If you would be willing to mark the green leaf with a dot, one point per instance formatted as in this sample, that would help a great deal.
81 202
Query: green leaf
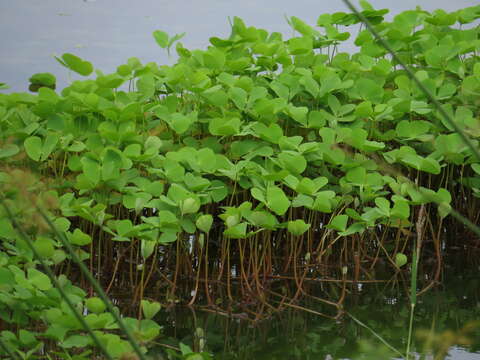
76 64
298 113
323 201
147 248
293 162
204 222
400 259
353 229
420 107
168 236
91 170
33 147
271 133
43 79
80 238
297 227
180 123
39 279
161 37
364 109
302 27
150 308
49 145
412 129
79 341
124 70
238 231
369 90
383 205
366 5
316 119
302 200
238 96
190 205
95 305
6 229
27 338
146 85
124 228
262 219
44 247
476 168
207 160
224 127
401 208
277 201
300 45
258 194
338 223
311 85
9 150
357 176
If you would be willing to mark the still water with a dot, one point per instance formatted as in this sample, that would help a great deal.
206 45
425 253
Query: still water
108 32
442 317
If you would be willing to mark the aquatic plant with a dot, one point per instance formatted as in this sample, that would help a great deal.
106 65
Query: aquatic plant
254 161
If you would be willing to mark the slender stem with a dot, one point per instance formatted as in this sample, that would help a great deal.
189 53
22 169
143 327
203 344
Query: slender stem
410 331
413 298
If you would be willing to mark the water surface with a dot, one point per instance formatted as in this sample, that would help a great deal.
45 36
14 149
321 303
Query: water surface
108 32
384 307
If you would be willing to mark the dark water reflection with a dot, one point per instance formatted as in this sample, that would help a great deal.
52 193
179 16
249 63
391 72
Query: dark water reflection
444 312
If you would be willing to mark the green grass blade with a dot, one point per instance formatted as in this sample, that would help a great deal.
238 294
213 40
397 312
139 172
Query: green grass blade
413 298
385 342
413 280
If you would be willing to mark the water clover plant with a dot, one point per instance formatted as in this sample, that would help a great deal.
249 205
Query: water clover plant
254 158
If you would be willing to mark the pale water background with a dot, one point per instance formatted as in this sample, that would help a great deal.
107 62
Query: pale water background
108 32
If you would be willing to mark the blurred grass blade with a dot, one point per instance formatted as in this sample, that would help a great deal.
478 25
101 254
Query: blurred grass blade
375 334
